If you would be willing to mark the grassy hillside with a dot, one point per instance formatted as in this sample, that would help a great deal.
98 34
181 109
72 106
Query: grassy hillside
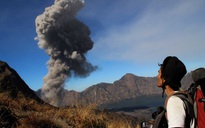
23 112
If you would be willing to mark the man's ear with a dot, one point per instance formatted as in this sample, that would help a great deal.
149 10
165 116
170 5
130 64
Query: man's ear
163 80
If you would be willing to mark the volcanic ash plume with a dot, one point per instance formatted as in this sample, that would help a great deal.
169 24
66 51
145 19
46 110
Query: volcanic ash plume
66 40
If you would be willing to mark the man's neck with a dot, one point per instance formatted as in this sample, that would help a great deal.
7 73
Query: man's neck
168 90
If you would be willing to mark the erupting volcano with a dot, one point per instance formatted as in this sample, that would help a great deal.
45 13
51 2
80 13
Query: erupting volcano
66 40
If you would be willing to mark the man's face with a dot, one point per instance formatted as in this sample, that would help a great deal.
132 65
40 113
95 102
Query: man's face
160 79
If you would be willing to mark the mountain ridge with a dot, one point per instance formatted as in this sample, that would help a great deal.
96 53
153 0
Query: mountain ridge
129 86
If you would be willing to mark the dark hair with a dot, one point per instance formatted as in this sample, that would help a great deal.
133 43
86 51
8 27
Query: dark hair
173 70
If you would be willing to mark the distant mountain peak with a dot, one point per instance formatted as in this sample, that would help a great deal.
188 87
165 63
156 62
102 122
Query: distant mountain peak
129 86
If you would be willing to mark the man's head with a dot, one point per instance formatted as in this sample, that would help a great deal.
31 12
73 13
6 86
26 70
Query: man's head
172 70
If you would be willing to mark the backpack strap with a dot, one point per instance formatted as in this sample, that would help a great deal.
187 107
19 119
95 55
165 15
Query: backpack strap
183 95
192 91
186 98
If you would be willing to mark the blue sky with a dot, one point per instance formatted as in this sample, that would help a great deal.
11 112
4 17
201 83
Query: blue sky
130 36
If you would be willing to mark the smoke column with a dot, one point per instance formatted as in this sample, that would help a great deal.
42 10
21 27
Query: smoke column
66 40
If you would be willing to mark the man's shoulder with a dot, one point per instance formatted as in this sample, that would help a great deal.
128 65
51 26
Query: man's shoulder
177 98
174 99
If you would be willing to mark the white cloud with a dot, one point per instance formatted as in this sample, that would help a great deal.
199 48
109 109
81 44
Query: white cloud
162 29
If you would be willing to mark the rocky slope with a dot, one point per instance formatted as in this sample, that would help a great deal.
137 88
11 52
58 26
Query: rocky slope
12 84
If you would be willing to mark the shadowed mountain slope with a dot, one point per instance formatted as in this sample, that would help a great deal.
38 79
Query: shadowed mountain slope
12 83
